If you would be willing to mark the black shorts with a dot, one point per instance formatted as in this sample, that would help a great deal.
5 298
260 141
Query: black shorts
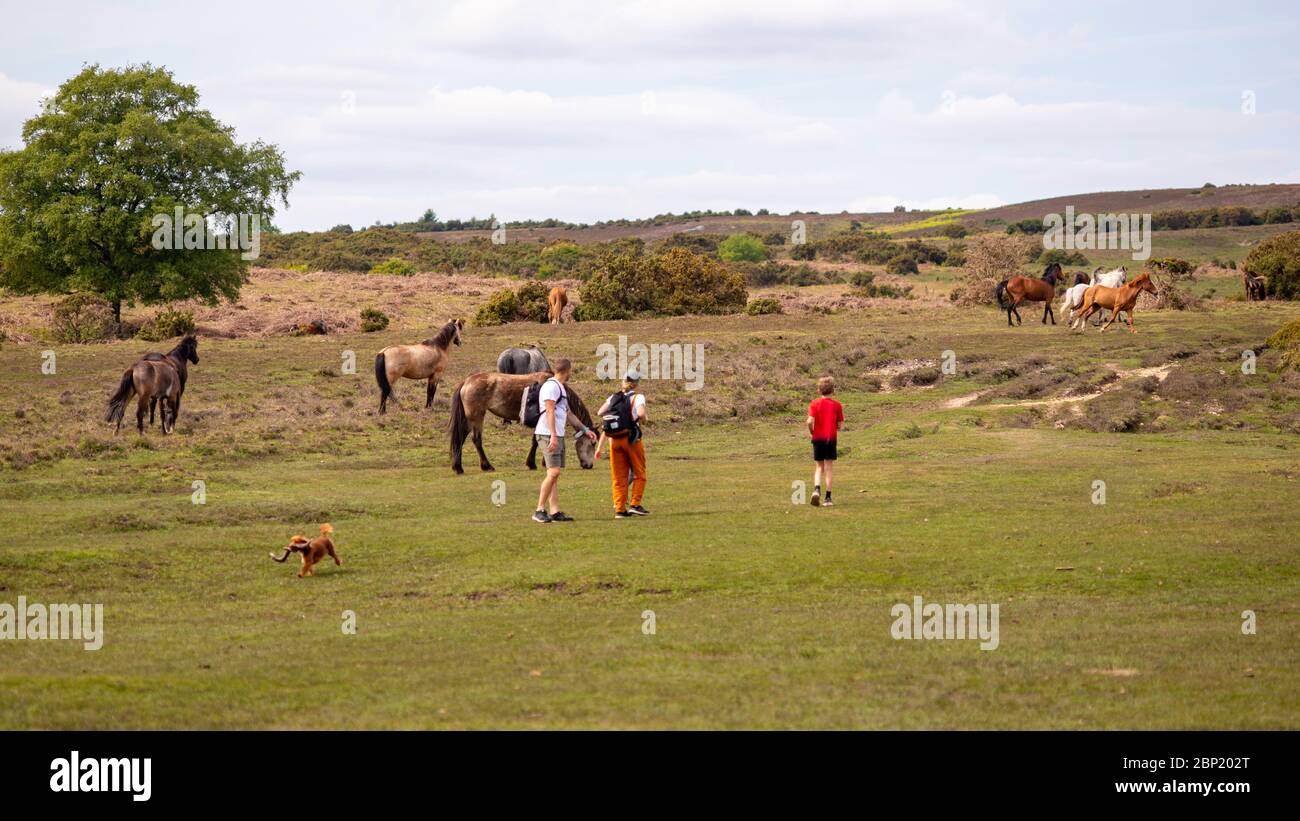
823 450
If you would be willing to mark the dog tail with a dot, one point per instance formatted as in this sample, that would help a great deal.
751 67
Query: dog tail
458 430
381 376
117 403
326 529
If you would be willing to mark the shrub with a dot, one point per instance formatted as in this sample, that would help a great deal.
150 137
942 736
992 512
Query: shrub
1278 259
394 266
742 248
672 283
527 303
373 319
803 250
166 324
499 309
563 256
763 306
1286 340
953 230
774 238
82 317
1062 257
990 258
901 265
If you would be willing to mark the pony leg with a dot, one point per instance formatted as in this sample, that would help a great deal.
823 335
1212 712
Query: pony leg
531 461
140 408
483 462
153 403
433 389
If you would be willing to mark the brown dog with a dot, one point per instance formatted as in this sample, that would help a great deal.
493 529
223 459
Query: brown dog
312 551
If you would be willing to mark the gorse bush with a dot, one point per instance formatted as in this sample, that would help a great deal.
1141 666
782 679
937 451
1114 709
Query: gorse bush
669 284
901 266
763 306
1062 257
742 248
166 324
82 317
1278 259
1286 340
527 303
373 319
394 266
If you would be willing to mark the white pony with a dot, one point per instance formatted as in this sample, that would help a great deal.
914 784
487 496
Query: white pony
1072 301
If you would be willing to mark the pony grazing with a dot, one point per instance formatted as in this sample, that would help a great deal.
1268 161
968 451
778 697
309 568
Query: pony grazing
555 302
522 360
1027 289
503 395
156 379
426 360
1123 298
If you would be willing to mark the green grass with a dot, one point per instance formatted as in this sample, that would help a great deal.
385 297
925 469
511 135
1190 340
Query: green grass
768 614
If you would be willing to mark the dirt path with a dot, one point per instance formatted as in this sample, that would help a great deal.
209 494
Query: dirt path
1158 371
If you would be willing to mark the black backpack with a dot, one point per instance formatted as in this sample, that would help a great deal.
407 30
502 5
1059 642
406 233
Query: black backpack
618 420
533 403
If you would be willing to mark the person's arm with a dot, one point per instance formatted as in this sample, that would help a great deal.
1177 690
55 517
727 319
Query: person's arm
640 408
810 422
600 443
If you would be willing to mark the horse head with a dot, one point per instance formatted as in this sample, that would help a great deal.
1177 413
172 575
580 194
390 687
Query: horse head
1144 283
188 349
458 324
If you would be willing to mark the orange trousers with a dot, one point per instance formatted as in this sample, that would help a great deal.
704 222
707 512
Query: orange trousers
624 457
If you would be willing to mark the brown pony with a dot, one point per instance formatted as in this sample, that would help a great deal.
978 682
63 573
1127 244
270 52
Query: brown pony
503 394
155 378
1026 289
426 360
1256 286
1123 298
555 302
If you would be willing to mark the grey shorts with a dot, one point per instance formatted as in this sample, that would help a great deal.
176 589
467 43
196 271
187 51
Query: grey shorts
551 459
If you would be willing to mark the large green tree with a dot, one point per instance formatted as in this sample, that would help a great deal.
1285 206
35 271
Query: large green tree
109 151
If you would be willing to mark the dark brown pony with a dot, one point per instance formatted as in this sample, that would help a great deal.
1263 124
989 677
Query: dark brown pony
503 395
155 378
1256 286
1124 298
1027 289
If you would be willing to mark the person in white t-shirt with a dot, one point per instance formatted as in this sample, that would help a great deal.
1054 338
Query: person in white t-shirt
549 434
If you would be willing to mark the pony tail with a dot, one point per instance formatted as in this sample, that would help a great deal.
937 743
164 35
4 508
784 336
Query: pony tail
117 403
1002 287
458 430
381 376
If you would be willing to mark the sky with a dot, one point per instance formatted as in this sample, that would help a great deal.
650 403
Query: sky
586 111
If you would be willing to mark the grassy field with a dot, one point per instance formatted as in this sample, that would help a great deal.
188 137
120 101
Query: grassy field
971 487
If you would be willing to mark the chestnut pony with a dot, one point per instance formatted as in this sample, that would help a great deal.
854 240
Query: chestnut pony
555 302
1124 298
1027 289
503 395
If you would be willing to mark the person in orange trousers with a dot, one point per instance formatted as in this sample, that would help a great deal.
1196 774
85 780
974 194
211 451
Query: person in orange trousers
622 415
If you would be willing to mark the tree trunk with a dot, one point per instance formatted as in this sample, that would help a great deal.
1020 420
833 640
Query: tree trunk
117 311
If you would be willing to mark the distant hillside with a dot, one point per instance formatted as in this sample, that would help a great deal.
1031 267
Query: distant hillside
1144 201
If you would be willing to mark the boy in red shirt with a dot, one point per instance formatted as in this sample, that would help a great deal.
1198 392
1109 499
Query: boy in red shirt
825 416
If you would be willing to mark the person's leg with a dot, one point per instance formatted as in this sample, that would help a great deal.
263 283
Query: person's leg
636 455
553 475
828 468
816 499
618 472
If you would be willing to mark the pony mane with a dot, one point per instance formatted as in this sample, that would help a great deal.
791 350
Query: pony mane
575 405
188 343
443 339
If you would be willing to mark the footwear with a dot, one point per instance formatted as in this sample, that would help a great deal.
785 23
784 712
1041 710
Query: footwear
637 510
828 502
622 514
541 517
558 516
816 499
